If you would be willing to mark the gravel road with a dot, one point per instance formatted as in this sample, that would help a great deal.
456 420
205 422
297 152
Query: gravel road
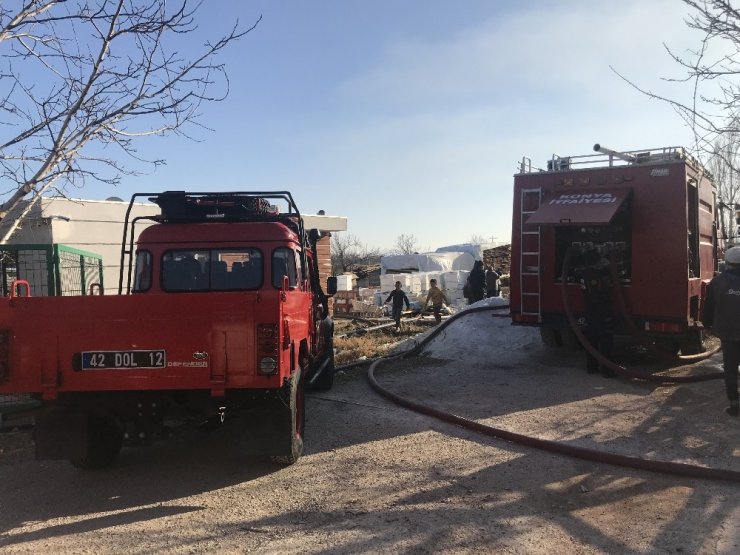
377 478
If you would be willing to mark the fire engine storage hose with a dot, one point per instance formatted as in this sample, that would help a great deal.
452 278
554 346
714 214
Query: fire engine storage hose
646 342
621 370
584 453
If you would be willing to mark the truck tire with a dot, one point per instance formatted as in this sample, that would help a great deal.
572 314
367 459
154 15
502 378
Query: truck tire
551 337
292 425
102 445
326 380
693 343
569 340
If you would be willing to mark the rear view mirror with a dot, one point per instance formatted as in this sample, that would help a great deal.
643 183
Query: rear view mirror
331 285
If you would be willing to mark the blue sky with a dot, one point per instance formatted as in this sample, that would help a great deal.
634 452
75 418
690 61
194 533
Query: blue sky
409 117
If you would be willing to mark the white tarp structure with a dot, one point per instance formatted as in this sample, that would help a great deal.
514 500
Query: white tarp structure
473 249
426 262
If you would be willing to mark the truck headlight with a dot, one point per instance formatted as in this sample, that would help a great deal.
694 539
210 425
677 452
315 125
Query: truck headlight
268 365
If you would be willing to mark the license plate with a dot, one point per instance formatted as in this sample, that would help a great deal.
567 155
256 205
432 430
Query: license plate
101 360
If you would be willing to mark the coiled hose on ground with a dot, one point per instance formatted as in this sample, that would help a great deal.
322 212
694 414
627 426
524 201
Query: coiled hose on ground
665 467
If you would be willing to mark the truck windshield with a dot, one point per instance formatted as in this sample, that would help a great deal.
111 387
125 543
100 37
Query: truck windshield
212 270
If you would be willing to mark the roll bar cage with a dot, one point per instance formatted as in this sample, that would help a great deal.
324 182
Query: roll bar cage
209 207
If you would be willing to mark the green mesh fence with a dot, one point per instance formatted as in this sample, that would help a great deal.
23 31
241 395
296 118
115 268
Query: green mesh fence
51 269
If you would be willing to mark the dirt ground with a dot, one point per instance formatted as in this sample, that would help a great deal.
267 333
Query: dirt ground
377 478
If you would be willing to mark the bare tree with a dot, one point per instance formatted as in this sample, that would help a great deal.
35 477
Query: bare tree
348 253
710 71
80 78
723 165
406 244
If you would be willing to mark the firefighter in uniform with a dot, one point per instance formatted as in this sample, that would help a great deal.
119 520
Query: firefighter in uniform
597 295
721 313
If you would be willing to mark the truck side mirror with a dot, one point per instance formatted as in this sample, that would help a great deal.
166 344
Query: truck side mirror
331 285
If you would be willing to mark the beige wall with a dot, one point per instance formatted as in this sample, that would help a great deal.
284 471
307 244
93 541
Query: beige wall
90 225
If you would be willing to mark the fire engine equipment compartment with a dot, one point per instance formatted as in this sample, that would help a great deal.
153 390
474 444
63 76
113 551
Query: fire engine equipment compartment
651 213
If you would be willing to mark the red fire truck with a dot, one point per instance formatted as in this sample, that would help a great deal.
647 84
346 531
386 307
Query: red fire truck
220 313
651 212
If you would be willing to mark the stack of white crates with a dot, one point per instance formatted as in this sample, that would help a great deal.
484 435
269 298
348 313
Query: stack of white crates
453 284
344 282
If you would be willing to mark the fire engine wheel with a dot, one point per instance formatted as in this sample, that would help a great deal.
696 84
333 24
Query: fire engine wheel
293 426
694 343
551 337
102 445
570 341
556 338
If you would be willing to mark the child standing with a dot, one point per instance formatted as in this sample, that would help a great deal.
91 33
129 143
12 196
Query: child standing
437 297
398 297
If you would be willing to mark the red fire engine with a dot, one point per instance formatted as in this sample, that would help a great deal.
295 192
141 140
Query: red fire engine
651 212
220 312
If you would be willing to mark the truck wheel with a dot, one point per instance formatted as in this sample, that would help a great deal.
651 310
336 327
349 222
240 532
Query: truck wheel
569 340
103 443
693 344
551 337
326 380
668 346
294 425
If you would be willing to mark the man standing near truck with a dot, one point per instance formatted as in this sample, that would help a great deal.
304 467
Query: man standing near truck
597 296
492 282
721 313
398 297
477 283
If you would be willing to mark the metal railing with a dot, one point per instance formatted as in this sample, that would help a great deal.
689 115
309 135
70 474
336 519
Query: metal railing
604 157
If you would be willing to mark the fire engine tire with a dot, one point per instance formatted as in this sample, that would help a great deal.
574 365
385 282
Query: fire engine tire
293 426
551 337
694 344
103 443
669 346
570 341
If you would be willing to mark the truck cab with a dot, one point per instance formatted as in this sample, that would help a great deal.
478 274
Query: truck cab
220 313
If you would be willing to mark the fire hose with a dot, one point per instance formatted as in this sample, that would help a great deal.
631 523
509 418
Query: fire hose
646 342
584 453
621 370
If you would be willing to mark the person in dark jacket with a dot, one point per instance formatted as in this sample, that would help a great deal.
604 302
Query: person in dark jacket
596 284
477 283
492 282
398 297
721 313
